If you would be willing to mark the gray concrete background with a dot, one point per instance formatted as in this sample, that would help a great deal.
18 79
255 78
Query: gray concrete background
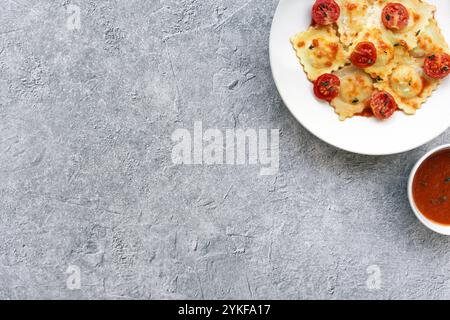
86 176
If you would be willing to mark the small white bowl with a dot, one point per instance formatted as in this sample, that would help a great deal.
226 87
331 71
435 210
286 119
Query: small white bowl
434 226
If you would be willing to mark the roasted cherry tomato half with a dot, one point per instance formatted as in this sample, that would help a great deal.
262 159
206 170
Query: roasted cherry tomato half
327 87
383 105
395 16
364 55
325 12
437 66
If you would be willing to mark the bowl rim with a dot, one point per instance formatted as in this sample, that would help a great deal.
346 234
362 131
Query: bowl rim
434 226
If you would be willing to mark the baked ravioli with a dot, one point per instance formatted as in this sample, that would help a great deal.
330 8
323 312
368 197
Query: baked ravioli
352 20
419 15
430 41
409 85
356 90
388 54
319 51
373 57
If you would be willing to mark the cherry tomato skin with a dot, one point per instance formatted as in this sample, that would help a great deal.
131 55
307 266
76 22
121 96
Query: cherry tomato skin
383 105
395 16
437 66
325 12
364 55
327 87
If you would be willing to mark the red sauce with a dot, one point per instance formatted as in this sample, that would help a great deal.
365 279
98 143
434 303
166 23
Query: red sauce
431 188
367 112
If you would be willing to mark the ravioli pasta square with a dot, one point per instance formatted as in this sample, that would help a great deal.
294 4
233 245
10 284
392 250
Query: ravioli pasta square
420 14
319 51
430 41
352 19
388 55
356 89
409 85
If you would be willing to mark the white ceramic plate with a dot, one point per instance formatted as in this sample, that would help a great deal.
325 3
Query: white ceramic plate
359 135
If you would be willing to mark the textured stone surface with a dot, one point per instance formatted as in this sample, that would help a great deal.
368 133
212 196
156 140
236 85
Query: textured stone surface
86 176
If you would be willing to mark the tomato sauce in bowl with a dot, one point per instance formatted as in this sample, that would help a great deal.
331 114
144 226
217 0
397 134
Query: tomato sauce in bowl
431 187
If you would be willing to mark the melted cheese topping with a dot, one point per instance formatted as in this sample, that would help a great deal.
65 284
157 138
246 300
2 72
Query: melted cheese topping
409 85
430 41
352 19
356 90
420 14
319 51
